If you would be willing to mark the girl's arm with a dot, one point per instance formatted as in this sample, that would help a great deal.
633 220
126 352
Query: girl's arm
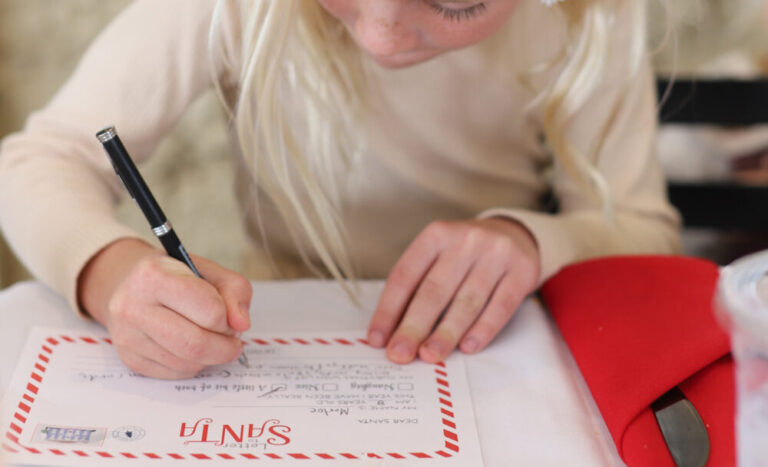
140 74
58 191
643 221
459 283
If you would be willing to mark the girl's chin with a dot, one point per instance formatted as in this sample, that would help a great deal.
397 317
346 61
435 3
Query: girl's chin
403 60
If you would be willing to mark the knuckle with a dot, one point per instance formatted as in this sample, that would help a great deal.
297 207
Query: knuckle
123 310
208 310
213 298
120 341
194 348
431 289
502 247
474 236
410 332
209 321
400 276
508 303
436 230
530 267
118 306
134 366
235 352
135 363
215 314
189 368
148 269
468 305
240 283
224 353
447 334
144 278
484 331
184 374
242 286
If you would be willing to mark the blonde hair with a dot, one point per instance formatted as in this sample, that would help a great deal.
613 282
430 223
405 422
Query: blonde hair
294 45
590 45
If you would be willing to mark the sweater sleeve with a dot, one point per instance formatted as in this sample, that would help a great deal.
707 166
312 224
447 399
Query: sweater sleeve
57 189
643 221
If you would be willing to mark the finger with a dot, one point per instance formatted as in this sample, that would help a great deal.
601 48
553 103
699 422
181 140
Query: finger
150 368
182 337
140 344
235 289
468 303
504 302
432 297
402 282
177 288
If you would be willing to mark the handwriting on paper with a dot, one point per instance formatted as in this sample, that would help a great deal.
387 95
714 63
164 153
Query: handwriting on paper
340 388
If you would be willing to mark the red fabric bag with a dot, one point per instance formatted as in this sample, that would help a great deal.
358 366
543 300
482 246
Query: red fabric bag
637 327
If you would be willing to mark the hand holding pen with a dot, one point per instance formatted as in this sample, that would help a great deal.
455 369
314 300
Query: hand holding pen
164 319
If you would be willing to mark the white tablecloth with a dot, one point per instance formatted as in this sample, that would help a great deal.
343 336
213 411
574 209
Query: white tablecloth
531 403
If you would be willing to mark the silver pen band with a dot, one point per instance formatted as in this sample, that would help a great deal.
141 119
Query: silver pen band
161 230
106 134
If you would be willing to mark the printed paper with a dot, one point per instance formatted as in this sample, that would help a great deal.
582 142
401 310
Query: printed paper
325 399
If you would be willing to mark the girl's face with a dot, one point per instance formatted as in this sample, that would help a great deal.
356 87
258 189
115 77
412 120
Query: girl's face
399 33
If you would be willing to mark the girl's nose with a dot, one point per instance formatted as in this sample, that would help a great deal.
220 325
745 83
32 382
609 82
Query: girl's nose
381 27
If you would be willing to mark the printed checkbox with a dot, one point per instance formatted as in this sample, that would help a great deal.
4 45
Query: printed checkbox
405 386
330 387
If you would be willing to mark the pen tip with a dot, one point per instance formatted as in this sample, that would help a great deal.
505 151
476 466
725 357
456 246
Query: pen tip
244 360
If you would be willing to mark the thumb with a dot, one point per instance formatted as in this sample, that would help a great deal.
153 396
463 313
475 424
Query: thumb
234 288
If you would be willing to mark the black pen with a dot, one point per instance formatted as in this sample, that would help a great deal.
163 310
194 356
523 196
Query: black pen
139 191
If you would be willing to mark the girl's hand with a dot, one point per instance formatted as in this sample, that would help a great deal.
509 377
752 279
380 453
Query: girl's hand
164 321
457 284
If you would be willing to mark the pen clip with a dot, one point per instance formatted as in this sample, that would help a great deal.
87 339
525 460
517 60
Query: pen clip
122 180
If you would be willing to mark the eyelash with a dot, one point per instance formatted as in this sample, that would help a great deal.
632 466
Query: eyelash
458 15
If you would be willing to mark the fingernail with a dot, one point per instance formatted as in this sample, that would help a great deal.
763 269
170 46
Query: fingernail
402 350
376 338
435 348
470 345
244 308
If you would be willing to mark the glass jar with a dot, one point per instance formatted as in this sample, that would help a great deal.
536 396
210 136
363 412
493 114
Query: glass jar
742 305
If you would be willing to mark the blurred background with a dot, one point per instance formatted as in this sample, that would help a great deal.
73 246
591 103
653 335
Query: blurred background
696 41
41 41
713 140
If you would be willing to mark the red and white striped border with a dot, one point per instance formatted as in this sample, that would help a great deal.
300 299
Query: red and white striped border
12 444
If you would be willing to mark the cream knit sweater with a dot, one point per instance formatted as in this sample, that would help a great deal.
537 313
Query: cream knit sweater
447 139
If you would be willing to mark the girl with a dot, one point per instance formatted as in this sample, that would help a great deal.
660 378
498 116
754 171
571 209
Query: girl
407 139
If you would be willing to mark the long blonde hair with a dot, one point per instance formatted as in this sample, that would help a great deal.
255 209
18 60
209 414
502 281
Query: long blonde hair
589 24
296 45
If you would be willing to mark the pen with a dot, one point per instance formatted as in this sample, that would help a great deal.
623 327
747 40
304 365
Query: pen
139 191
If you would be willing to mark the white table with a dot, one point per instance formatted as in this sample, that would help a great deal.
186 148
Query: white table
531 403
